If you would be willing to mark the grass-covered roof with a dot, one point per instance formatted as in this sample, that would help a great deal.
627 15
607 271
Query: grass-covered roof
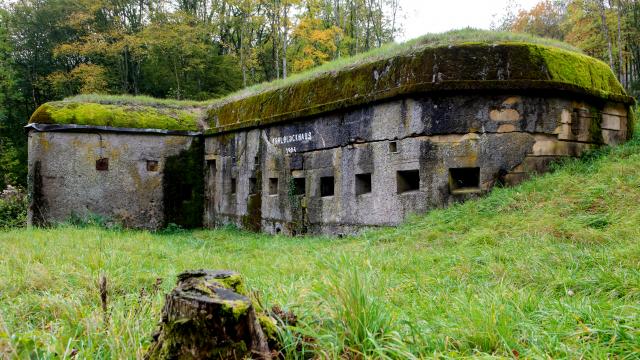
458 60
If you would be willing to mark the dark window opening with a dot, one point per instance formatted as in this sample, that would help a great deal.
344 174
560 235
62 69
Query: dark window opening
363 184
464 179
273 186
408 180
327 185
393 147
211 164
102 164
299 187
256 161
233 186
152 165
253 186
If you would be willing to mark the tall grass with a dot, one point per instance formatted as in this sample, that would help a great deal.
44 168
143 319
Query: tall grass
353 321
548 269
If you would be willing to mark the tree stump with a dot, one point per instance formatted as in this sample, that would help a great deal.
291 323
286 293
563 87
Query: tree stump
209 316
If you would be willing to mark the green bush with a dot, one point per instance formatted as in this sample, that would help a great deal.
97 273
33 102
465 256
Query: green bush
13 208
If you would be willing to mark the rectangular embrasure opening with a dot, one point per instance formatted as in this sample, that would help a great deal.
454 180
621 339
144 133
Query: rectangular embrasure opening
393 147
464 179
233 185
408 180
299 186
152 165
273 186
102 164
363 184
327 185
253 186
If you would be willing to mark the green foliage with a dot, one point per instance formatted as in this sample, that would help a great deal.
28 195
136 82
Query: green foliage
181 62
12 142
91 220
13 210
547 269
172 228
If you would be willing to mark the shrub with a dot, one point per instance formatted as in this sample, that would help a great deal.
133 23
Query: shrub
13 208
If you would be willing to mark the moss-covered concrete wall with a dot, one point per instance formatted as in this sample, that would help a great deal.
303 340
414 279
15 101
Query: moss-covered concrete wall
121 177
375 164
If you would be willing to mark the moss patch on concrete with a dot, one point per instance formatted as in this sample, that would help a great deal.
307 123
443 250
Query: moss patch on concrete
579 70
121 116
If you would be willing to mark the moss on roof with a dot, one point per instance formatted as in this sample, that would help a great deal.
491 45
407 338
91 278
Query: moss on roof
463 67
458 60
115 115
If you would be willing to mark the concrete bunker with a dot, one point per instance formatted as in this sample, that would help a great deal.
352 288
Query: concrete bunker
358 147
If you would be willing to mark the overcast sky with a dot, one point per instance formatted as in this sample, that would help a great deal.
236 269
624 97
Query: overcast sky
428 16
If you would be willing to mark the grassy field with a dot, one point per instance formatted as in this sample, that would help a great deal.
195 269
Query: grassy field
548 269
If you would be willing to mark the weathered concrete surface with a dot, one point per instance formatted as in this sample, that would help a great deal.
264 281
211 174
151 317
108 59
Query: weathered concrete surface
251 174
65 180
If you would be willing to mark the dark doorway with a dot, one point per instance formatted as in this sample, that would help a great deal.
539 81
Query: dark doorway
183 187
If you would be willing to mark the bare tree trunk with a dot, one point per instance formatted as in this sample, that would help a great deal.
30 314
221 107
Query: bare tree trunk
620 59
175 71
605 31
242 59
367 38
276 36
394 11
336 10
285 19
354 26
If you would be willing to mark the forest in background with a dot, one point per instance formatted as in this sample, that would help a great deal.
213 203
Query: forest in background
203 49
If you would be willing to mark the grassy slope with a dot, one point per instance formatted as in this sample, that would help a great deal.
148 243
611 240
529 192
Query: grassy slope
547 269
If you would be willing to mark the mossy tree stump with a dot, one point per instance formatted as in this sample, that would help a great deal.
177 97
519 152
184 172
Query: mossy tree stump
209 316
